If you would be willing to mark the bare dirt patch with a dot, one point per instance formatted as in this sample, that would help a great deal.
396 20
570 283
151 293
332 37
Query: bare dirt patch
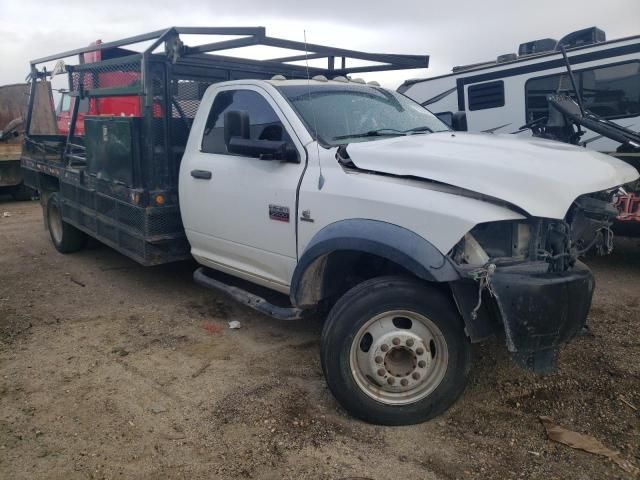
111 370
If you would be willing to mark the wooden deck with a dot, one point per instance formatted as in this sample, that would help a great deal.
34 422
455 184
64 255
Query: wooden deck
10 151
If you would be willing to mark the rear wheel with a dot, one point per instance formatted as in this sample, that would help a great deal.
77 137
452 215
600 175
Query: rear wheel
65 237
394 351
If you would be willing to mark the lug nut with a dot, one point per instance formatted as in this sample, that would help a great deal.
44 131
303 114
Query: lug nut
404 382
420 350
422 364
415 375
381 372
391 380
410 342
396 341
384 347
378 359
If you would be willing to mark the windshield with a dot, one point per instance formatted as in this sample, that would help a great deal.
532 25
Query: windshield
354 113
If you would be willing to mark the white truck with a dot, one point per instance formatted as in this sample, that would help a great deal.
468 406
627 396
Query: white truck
354 200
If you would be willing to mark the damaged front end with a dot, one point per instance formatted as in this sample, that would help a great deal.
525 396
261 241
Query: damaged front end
525 278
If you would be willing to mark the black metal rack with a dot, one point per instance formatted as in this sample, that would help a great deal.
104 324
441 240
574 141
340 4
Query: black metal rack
169 77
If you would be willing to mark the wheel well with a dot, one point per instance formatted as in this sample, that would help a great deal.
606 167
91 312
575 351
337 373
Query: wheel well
333 274
48 183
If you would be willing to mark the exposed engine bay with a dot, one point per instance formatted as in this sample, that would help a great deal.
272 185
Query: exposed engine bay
559 243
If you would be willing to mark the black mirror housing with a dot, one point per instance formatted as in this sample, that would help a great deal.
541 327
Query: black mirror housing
262 149
236 124
459 121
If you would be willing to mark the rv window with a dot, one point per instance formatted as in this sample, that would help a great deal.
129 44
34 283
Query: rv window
486 95
264 123
611 91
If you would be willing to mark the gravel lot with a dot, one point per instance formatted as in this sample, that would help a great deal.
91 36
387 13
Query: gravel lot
112 370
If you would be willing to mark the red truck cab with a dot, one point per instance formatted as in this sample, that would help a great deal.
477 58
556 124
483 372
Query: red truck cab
128 106
111 106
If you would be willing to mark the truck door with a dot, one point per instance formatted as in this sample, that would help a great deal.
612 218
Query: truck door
239 211
64 111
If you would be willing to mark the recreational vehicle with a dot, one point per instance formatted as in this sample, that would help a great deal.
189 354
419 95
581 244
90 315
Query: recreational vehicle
503 95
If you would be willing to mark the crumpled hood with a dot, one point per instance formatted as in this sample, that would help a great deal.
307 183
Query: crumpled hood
541 177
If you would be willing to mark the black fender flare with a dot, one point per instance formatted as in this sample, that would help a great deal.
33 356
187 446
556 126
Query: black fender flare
392 242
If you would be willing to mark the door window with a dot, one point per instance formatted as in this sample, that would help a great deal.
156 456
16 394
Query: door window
65 103
264 123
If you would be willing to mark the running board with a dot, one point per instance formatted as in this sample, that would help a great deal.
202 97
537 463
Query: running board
247 298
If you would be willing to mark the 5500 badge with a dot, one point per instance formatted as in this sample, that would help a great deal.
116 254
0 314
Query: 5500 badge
279 213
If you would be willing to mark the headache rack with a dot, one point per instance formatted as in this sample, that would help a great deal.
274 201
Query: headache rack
125 192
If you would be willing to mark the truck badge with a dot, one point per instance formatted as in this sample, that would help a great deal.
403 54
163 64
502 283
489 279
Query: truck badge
279 213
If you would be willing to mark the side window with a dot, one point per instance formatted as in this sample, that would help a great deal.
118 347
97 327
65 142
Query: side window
65 102
486 95
537 89
264 123
610 91
446 117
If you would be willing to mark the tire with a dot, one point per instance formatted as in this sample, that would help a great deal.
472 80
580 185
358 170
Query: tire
65 237
421 332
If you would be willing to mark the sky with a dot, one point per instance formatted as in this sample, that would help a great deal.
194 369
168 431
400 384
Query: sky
451 33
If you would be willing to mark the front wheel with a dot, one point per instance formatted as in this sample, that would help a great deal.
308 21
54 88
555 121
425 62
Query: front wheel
394 351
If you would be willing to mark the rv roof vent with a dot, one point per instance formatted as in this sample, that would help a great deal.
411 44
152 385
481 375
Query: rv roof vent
340 79
507 57
373 83
586 36
537 46
357 80
320 78
278 77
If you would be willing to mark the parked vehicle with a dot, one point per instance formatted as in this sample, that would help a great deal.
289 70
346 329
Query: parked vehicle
503 95
13 106
128 106
347 197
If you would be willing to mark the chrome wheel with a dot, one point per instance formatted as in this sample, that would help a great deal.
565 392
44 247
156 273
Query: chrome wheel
398 357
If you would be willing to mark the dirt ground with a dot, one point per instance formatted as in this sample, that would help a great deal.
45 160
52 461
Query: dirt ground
112 370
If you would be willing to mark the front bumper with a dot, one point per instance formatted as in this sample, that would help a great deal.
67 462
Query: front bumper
537 310
541 310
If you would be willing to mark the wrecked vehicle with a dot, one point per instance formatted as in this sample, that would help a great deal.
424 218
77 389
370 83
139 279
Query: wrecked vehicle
348 198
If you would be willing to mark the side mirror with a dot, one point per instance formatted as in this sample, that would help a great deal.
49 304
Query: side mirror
262 149
236 124
459 121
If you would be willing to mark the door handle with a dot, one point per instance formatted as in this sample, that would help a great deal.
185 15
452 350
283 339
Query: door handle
204 174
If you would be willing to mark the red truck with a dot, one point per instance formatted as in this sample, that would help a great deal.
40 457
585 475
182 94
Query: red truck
128 106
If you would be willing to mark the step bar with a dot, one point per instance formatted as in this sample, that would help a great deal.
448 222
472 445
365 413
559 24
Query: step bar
249 299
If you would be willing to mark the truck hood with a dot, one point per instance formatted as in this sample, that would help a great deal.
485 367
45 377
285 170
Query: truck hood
541 177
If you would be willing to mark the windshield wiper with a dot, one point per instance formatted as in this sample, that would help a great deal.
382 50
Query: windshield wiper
384 132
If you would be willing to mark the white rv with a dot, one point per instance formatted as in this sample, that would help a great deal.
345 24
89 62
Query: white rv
503 95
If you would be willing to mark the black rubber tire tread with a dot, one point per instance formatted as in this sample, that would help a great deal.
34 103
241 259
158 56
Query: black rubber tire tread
371 298
72 239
